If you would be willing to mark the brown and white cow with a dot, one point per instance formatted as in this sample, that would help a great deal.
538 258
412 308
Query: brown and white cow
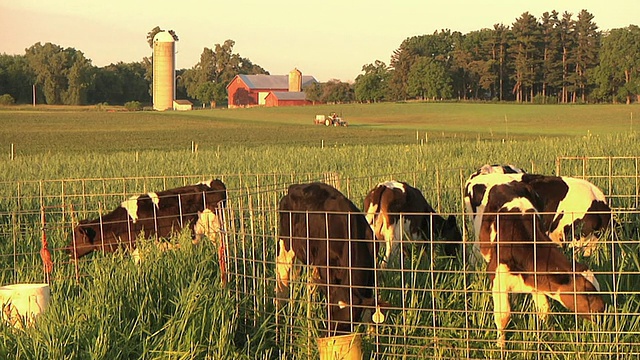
321 228
522 258
573 210
394 208
156 214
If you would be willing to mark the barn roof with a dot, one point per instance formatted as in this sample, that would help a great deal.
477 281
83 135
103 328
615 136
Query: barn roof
273 81
286 95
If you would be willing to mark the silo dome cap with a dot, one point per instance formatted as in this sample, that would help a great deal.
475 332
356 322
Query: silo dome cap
163 36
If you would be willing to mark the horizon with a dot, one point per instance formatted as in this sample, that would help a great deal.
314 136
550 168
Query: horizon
335 39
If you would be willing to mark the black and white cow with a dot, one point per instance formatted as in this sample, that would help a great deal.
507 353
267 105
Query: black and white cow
389 202
573 209
320 227
157 214
522 258
497 169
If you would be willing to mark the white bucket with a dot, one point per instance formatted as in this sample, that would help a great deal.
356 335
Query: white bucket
343 347
21 303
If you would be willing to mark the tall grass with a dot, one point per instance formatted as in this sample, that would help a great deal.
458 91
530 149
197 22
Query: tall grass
169 306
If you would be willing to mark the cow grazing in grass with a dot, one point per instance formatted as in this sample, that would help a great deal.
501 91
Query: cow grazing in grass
497 169
321 228
394 208
156 214
573 210
522 258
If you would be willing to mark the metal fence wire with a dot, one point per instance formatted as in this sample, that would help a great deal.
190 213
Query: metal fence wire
441 306
435 306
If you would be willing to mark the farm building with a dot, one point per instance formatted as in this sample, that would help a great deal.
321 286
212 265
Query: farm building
182 105
283 90
286 98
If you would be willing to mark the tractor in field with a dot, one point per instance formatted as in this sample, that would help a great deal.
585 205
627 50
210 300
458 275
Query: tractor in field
330 120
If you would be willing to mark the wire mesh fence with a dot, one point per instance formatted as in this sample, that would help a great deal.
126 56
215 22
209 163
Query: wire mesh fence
434 305
441 306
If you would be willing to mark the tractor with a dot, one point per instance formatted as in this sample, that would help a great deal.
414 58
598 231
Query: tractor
332 119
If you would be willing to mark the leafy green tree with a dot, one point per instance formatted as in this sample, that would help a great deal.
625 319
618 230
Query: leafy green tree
429 79
314 92
618 74
78 78
16 78
373 85
151 34
472 59
217 66
119 83
64 73
437 46
206 92
337 92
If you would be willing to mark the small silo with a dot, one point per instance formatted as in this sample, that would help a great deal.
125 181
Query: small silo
164 71
295 80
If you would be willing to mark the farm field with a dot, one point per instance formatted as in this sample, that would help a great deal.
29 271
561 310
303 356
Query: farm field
174 307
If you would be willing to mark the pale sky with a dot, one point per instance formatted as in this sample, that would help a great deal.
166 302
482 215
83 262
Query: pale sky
327 39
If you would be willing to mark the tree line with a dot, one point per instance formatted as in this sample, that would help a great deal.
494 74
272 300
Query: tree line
554 59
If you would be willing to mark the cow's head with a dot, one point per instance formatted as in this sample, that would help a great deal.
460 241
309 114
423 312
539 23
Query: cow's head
208 224
284 262
450 232
579 292
84 237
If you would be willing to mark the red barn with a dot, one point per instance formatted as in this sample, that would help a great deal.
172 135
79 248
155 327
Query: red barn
285 98
253 90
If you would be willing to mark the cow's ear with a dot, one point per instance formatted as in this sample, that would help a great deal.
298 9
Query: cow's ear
342 304
581 267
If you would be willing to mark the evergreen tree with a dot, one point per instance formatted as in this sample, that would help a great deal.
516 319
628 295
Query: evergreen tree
525 55
586 53
551 70
499 44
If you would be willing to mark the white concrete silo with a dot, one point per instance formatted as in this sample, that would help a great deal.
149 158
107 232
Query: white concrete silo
164 71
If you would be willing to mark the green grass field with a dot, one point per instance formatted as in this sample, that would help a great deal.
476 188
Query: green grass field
35 132
173 307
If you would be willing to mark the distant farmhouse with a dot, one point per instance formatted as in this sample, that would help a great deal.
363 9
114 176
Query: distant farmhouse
269 90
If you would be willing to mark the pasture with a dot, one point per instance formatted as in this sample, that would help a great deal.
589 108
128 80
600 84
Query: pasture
174 306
